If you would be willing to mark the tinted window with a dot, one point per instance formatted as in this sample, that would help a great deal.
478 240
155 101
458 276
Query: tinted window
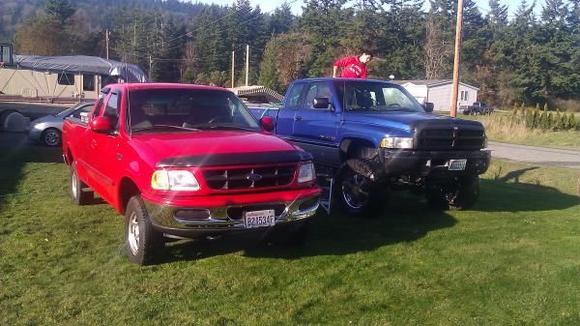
188 108
88 82
101 101
112 109
317 90
293 97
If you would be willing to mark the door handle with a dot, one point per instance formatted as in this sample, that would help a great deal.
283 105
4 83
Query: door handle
297 118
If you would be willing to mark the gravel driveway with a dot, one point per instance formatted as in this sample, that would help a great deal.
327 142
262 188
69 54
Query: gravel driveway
536 155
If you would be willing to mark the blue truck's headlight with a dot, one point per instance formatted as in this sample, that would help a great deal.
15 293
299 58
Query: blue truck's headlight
397 142
306 173
175 180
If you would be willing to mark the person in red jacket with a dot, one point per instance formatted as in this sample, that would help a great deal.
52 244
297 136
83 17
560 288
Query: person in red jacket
353 66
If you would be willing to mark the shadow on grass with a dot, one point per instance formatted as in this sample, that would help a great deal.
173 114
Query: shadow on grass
406 219
15 153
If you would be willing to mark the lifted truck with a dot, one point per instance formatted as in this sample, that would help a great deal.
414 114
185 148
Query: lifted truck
369 136
185 161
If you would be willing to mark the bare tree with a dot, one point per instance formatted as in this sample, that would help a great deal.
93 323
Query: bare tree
437 51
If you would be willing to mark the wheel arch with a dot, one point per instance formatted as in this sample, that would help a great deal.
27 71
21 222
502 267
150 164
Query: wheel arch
348 147
127 189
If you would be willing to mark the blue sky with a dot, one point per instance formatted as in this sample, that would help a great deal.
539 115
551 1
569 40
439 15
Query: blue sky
270 5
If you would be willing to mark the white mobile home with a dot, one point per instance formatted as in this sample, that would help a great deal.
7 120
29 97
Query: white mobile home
438 92
64 77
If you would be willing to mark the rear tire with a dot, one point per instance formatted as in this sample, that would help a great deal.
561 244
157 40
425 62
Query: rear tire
76 186
142 242
51 137
462 195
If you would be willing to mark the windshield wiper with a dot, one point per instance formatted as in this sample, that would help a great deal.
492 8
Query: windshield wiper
219 126
164 127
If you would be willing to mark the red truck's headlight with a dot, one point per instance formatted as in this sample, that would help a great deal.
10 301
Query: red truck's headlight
175 180
306 173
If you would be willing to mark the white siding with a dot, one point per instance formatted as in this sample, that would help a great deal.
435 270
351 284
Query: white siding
418 91
440 96
29 83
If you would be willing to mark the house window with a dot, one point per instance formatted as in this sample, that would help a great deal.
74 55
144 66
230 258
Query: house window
466 96
66 79
6 54
88 82
461 96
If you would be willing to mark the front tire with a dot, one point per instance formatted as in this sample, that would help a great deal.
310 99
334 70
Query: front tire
142 241
51 137
357 195
76 189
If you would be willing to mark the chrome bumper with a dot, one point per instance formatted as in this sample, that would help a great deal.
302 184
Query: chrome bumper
166 218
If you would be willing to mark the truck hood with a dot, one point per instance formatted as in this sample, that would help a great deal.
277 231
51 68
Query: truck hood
406 121
163 147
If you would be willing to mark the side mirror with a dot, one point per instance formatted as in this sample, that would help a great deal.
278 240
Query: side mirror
428 106
321 103
101 125
267 123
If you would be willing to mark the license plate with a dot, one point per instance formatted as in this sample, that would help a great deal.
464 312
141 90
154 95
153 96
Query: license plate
457 165
258 219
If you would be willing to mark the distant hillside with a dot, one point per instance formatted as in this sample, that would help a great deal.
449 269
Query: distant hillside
15 12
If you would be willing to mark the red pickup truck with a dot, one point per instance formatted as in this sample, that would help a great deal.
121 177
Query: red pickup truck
187 161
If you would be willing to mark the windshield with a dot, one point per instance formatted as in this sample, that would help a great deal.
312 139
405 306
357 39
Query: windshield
378 97
187 110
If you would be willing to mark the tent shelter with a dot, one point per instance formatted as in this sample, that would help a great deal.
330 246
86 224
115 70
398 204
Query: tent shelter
64 77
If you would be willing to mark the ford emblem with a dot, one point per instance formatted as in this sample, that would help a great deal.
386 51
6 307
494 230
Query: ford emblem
253 177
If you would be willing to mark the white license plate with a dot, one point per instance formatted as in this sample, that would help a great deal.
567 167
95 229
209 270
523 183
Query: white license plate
258 219
457 165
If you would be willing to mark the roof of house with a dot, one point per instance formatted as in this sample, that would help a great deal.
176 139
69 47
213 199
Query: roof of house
432 82
82 64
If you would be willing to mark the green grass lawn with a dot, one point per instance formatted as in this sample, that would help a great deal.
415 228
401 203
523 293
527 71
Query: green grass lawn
513 259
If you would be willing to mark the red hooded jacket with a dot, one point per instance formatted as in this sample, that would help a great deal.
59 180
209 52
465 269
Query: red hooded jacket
352 67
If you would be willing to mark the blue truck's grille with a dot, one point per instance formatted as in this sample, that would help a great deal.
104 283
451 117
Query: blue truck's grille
249 178
450 138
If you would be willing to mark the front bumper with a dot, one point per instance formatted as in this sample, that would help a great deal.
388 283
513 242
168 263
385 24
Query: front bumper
193 221
422 163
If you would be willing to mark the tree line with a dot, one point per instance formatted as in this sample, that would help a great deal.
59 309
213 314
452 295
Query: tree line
526 58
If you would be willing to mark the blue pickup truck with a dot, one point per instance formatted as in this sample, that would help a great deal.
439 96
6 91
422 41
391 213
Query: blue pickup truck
368 137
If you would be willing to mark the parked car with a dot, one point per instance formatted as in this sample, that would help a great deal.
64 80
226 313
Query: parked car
369 136
48 129
476 108
186 161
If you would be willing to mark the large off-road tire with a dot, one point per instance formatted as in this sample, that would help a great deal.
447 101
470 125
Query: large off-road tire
78 190
51 137
466 194
358 195
143 243
462 195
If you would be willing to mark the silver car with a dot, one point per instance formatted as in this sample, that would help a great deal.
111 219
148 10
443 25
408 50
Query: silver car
48 129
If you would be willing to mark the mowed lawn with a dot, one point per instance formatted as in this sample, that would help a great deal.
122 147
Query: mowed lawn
514 258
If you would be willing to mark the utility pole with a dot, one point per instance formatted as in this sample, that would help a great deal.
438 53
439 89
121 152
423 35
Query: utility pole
233 67
107 42
456 59
247 64
150 66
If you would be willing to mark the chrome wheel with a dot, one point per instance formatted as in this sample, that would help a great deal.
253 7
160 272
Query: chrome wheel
74 184
133 234
355 190
51 137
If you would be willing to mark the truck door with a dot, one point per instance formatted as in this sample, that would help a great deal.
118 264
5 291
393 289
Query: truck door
103 150
292 102
315 129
